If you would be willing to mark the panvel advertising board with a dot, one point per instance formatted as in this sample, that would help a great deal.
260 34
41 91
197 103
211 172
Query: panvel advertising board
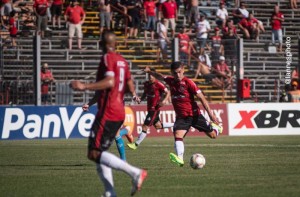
48 122
31 122
264 119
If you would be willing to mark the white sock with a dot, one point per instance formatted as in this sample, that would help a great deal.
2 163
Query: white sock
141 137
167 124
179 148
116 163
105 174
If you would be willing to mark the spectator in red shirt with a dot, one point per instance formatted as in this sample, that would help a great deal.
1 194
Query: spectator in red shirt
56 10
75 17
13 27
186 47
150 17
229 25
217 49
276 19
169 10
223 72
46 78
250 27
40 9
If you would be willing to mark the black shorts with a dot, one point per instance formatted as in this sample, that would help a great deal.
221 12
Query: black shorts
209 77
56 10
45 97
198 122
152 118
103 133
135 21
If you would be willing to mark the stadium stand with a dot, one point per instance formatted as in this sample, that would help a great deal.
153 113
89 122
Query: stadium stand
263 68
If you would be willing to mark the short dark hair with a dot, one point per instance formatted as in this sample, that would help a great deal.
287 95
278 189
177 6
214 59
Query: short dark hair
176 65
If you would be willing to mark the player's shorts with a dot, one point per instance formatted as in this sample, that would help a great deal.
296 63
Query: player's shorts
198 122
152 118
103 133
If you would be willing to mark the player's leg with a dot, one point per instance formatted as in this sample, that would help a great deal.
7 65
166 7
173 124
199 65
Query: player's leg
212 130
128 133
101 137
150 118
159 125
181 127
106 176
120 146
94 152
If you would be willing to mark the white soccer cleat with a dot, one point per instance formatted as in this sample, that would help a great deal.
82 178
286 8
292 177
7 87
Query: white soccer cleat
137 183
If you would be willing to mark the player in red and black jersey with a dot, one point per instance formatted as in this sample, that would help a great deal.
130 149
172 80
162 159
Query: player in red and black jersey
153 90
112 78
183 92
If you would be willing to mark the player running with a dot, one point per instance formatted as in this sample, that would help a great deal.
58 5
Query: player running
118 138
186 108
112 78
153 89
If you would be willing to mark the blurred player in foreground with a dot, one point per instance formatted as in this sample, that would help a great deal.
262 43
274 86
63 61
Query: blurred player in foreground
118 138
112 78
186 108
153 89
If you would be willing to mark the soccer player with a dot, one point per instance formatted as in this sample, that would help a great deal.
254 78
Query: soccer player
183 90
118 138
112 78
153 90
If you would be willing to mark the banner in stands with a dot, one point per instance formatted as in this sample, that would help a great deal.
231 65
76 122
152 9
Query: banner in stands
264 119
47 122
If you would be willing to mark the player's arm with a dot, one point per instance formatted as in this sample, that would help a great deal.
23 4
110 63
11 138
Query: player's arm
204 102
167 97
93 100
131 88
158 76
106 83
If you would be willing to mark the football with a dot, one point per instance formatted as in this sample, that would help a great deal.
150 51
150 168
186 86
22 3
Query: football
197 161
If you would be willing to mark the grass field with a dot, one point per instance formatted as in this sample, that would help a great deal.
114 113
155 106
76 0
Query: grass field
236 166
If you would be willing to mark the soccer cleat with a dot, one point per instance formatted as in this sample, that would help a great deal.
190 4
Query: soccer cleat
217 128
129 135
132 146
174 158
137 183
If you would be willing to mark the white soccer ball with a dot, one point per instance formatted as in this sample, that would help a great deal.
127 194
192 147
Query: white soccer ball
197 161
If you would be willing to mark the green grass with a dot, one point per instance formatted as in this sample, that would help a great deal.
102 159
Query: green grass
236 166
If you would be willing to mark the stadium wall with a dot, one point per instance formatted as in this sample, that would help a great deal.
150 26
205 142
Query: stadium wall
51 122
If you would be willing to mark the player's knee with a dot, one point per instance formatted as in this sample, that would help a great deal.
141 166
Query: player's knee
94 155
158 125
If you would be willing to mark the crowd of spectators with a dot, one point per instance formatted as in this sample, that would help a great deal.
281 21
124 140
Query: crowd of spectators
160 18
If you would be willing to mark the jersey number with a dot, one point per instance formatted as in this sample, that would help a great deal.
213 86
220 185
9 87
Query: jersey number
121 79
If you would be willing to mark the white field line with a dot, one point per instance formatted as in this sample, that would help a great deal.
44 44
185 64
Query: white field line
20 144
227 145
